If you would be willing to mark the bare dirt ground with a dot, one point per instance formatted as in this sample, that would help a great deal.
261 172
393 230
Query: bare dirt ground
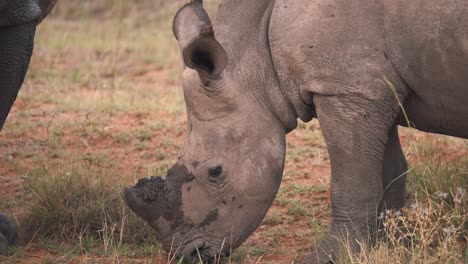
110 97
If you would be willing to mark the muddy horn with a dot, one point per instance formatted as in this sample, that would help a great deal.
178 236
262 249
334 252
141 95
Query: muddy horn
147 197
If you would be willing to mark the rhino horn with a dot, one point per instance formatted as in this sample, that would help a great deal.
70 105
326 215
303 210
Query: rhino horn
140 206
200 50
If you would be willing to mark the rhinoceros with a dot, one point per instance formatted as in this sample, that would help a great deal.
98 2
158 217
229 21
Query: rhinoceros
18 21
360 67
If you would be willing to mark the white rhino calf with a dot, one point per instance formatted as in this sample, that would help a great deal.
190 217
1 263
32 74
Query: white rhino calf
347 63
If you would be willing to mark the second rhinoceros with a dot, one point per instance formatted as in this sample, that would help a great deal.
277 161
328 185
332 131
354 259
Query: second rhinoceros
18 21
348 63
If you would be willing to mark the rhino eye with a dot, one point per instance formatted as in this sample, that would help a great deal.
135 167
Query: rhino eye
215 171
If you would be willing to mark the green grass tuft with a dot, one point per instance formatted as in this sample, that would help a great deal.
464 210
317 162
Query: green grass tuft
79 204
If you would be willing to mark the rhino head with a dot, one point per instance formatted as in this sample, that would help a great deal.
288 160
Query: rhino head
230 166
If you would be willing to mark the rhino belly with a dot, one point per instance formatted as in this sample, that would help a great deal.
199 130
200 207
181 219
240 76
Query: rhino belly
427 43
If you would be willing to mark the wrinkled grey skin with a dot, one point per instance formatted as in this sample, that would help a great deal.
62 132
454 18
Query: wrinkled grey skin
18 21
268 63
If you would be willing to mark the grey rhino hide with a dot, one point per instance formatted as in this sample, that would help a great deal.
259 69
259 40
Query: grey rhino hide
18 20
8 233
267 63
16 12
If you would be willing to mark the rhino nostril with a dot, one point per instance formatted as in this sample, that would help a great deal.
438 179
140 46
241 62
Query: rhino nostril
215 171
199 254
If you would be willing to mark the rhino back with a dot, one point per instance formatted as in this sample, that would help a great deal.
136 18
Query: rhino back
421 45
316 44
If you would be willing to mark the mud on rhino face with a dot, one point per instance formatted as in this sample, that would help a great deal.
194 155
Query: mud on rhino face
229 168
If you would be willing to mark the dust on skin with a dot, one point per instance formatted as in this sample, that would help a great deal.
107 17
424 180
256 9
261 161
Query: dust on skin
161 199
152 188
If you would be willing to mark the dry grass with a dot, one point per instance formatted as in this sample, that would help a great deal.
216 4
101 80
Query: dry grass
434 225
76 201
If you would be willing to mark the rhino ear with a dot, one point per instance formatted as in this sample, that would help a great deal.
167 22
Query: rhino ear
200 50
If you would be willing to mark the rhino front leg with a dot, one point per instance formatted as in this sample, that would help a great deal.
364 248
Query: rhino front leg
394 173
356 128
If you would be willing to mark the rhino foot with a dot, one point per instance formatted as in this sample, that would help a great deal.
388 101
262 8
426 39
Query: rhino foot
8 233
334 249
324 253
317 257
394 230
3 245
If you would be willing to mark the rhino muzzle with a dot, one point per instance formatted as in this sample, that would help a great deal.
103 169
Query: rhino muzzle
158 201
202 252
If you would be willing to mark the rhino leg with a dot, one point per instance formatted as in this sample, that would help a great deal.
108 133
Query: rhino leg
356 128
394 173
16 46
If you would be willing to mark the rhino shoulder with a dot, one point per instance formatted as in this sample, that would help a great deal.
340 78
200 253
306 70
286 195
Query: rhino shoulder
19 12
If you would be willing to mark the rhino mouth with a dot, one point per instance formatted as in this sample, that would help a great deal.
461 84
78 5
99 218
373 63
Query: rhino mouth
153 198
200 251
